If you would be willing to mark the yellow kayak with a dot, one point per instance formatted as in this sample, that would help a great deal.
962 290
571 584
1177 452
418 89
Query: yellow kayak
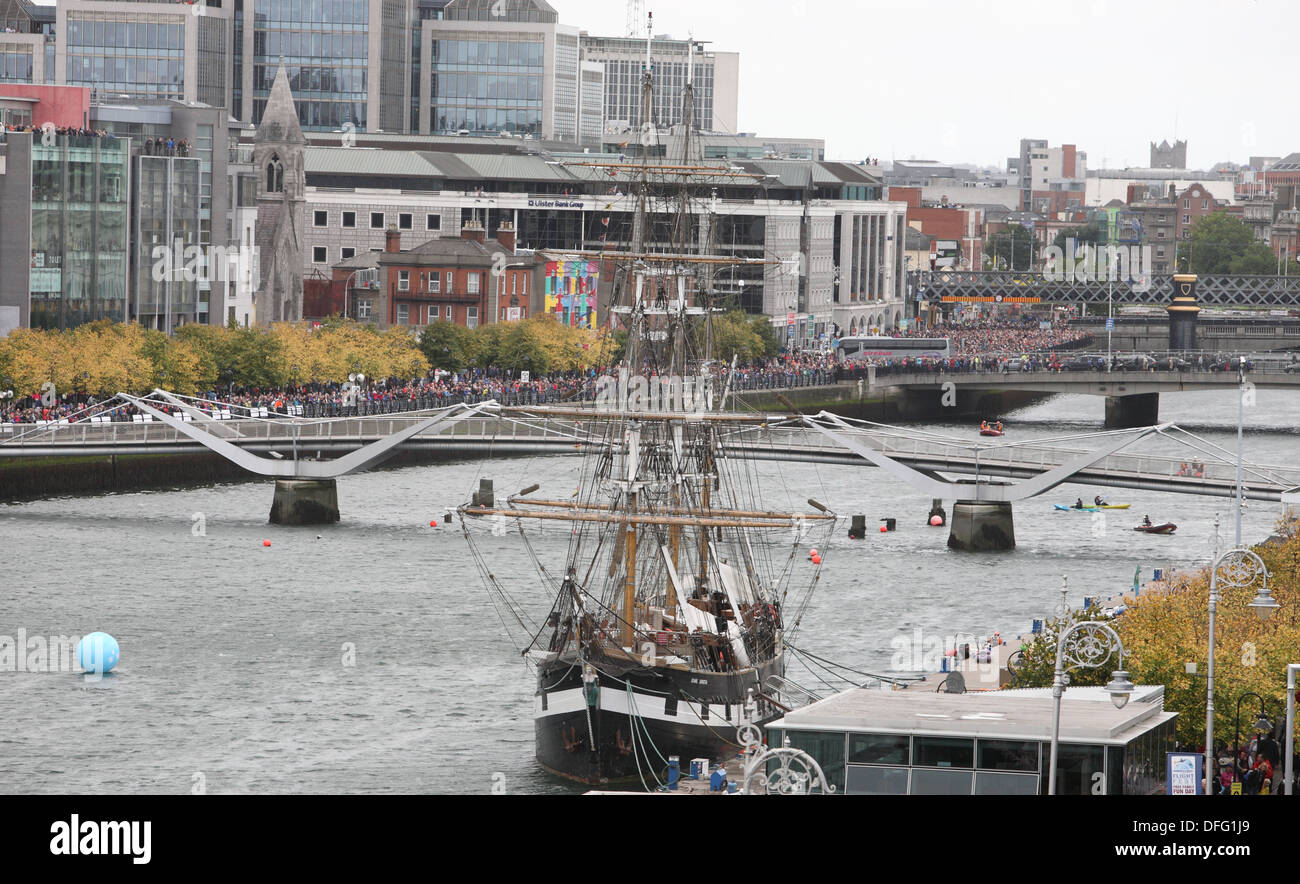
1113 506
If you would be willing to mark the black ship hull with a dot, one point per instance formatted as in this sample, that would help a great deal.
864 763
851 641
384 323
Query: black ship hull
606 736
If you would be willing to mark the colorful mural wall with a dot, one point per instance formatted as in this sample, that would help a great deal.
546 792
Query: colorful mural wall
571 291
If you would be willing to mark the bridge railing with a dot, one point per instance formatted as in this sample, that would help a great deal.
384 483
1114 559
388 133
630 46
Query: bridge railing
1027 459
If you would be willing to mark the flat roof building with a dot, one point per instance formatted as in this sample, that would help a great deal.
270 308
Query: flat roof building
918 742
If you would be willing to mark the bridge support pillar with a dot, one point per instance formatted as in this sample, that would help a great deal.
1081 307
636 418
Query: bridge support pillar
1127 412
981 526
305 502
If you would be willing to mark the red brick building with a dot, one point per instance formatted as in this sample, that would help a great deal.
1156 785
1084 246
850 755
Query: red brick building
470 281
1190 206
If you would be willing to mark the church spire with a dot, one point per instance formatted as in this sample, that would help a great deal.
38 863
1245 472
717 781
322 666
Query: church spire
280 119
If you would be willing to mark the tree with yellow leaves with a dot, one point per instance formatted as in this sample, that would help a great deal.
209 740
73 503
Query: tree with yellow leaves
1164 632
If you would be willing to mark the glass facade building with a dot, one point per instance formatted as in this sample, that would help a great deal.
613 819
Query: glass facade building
15 64
324 46
141 56
487 83
79 231
167 223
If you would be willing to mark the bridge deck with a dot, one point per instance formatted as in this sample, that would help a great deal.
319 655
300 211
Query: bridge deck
928 453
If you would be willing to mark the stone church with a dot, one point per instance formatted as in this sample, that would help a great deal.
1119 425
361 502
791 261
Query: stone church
281 189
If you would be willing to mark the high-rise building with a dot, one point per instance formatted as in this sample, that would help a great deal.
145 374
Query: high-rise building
716 79
26 42
499 67
346 60
145 49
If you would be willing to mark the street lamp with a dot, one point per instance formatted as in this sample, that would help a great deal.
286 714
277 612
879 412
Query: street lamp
1240 568
1291 670
1262 725
1085 645
347 286
501 284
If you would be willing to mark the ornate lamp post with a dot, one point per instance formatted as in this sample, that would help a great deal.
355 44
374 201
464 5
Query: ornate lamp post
1085 645
1238 568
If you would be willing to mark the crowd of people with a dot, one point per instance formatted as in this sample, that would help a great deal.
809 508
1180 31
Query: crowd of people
436 390
76 131
1013 338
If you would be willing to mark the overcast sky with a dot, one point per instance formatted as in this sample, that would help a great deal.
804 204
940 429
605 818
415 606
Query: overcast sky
965 80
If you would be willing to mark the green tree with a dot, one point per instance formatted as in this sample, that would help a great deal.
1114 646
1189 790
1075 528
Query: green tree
447 345
1012 248
1088 233
1215 242
1258 259
1037 661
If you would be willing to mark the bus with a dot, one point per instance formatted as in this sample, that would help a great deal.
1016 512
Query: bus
864 349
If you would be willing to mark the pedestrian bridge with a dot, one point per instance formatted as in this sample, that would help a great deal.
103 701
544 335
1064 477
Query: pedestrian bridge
314 452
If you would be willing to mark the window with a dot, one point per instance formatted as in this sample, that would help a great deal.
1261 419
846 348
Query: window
827 748
403 314
349 219
449 287
1160 234
435 284
1008 755
1205 204
1160 251
318 255
1187 204
876 780
472 283
432 222
320 219
363 309
449 313
471 317
525 291
878 748
376 220
1187 219
403 280
404 221
347 252
944 752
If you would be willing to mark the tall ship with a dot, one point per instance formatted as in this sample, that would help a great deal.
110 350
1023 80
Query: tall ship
667 622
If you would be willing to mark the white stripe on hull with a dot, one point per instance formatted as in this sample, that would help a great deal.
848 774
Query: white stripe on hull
647 706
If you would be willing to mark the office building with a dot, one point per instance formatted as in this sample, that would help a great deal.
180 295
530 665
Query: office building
145 50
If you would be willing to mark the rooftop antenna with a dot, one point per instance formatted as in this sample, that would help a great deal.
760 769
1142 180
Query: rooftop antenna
634 12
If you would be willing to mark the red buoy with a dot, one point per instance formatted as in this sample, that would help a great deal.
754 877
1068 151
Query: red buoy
266 543
883 529
433 523
816 560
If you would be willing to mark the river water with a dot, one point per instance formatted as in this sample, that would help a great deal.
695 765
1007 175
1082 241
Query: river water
366 657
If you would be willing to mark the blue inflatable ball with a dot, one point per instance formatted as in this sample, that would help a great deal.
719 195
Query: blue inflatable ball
98 652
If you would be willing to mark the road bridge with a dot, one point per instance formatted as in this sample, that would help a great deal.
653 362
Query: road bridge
1132 397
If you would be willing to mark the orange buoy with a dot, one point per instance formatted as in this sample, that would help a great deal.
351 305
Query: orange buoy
936 521
433 523
883 529
266 543
816 560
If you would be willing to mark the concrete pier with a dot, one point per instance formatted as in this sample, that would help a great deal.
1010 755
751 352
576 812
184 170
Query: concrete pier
1127 412
981 526
305 502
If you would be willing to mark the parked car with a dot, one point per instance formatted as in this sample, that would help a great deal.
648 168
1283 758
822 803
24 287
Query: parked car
1292 367
1011 365
1081 363
1172 363
1135 362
